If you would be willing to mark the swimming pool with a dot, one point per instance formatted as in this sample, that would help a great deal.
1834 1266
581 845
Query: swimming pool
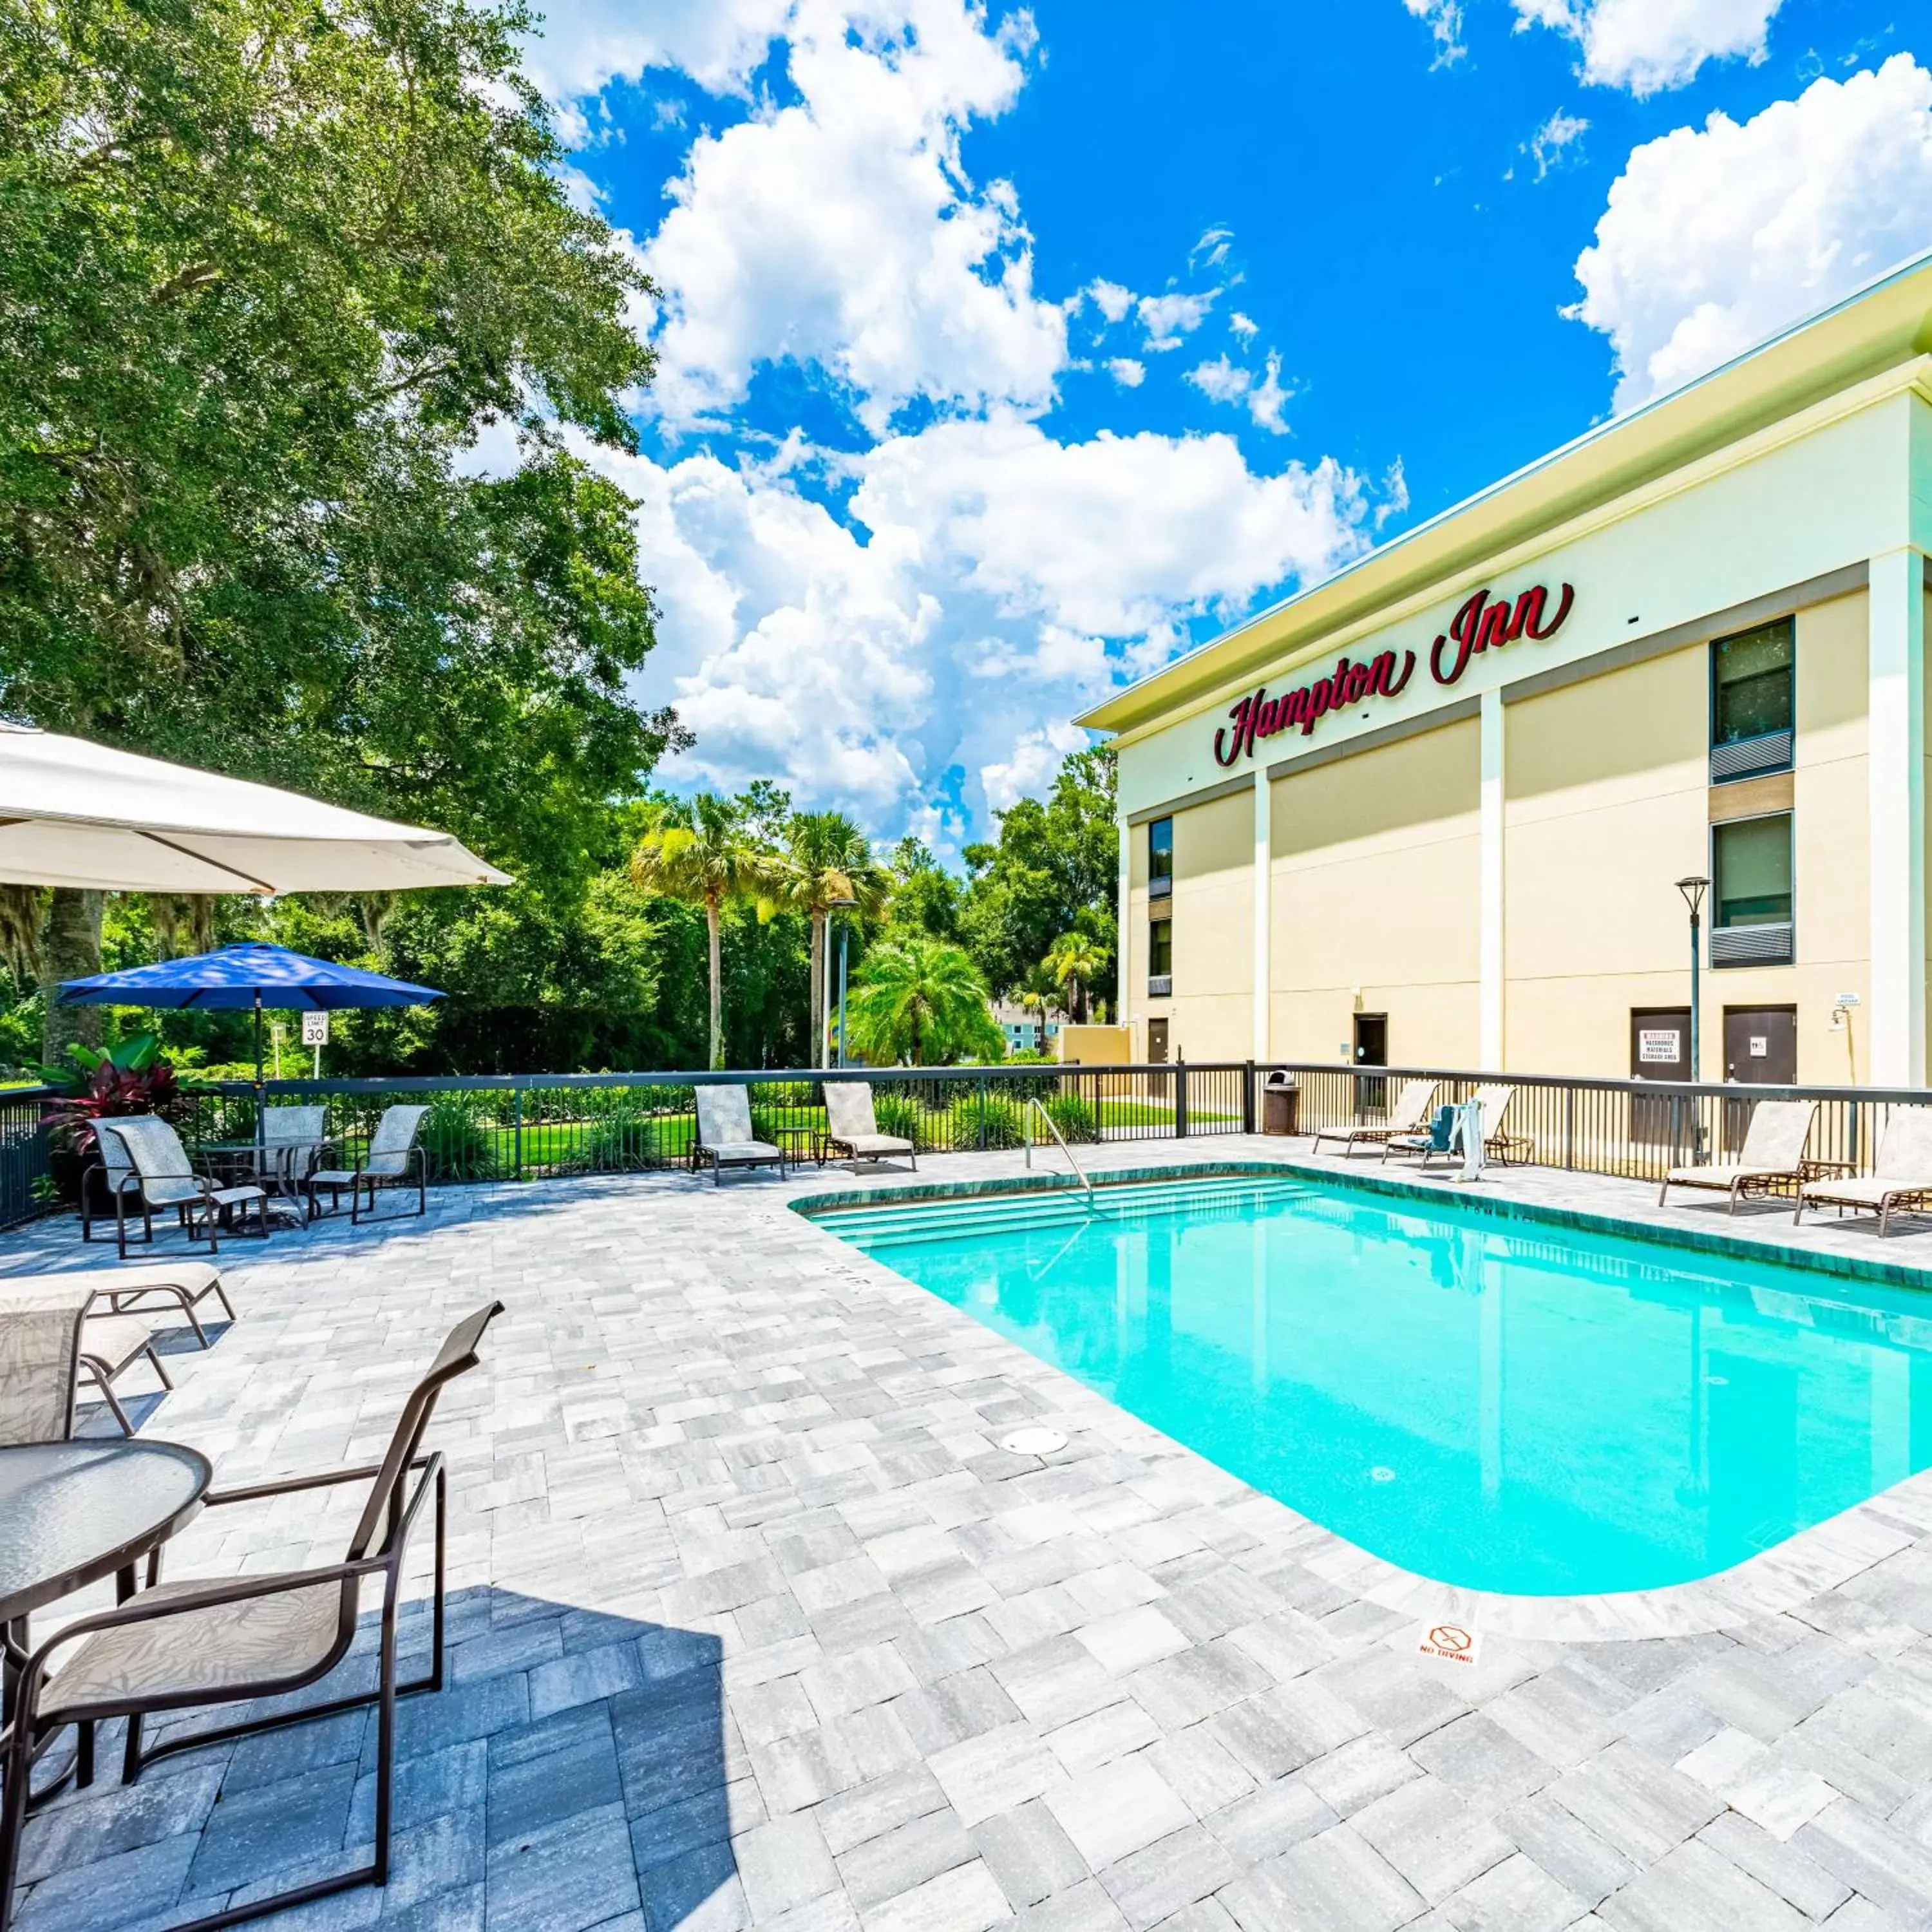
1491 1402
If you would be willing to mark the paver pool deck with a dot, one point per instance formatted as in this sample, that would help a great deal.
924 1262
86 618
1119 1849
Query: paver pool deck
754 1623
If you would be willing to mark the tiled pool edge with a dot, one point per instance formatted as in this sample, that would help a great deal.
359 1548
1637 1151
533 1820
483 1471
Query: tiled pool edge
1821 1558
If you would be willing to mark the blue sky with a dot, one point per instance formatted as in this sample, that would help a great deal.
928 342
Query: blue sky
1005 353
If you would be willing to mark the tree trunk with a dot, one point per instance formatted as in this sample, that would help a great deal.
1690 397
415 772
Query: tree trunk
717 960
817 1051
1079 1003
73 952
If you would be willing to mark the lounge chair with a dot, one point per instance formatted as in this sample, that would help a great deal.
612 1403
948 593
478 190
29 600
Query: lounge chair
395 1158
725 1137
35 1311
184 1284
853 1126
158 1173
1899 1182
1495 1102
1772 1157
1406 1116
209 1641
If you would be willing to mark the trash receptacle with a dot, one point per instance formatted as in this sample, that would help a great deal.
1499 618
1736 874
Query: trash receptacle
1281 1101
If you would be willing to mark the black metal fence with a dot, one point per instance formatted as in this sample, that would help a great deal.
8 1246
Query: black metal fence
537 1126
1637 1129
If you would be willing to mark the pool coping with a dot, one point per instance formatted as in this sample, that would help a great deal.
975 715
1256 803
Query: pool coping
1824 1557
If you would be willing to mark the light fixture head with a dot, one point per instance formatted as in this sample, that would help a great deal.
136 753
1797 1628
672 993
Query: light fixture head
1694 889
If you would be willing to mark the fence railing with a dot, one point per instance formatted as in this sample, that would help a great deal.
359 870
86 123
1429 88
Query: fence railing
528 1126
1637 1129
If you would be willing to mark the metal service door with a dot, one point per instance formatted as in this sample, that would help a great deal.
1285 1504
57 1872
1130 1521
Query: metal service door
1157 1042
1660 1050
1761 1045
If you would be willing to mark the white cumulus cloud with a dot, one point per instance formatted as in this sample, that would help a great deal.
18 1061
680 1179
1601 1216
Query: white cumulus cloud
1552 143
1715 238
1220 381
843 231
1647 46
1167 318
1127 372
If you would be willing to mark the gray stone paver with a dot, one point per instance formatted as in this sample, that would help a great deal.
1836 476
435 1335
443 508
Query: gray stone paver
753 1623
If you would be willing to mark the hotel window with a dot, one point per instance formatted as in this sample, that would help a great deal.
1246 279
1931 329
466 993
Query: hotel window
1160 859
1753 681
1751 924
1160 958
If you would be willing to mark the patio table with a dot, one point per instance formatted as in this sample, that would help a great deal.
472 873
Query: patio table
72 1513
239 1163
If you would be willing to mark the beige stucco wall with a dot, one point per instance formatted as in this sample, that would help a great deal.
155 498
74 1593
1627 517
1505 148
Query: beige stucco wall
1374 887
1209 1015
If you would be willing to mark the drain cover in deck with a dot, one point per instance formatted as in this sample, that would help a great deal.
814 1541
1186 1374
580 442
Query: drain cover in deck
1036 1441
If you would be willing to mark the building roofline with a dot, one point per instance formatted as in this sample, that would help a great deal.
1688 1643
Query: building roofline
1886 322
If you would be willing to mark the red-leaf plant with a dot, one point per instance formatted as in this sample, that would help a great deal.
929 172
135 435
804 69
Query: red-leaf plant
111 1092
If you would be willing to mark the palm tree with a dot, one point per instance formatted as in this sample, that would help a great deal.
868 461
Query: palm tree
700 854
1075 960
922 1000
830 864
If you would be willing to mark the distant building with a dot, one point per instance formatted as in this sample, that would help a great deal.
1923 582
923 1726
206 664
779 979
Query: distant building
1026 1031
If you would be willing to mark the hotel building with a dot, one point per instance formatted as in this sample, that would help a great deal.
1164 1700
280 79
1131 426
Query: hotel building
1433 811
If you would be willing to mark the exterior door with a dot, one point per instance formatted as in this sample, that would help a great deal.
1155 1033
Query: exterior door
1761 1045
1371 1050
1157 1042
1660 1050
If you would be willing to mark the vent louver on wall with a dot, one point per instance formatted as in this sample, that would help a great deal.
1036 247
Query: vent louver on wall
1747 758
1751 945
1160 986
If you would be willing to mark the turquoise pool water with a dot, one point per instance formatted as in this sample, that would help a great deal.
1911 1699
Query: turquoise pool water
1490 1402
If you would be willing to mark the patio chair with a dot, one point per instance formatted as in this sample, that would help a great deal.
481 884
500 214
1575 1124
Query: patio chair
160 1174
725 1137
855 1127
107 1182
1406 1116
1899 1182
292 1138
202 1642
184 1285
39 1371
1440 1140
395 1158
1771 1160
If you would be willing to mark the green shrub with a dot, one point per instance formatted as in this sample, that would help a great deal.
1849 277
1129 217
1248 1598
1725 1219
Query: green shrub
620 1141
995 1123
785 1093
900 1115
458 1145
1077 1119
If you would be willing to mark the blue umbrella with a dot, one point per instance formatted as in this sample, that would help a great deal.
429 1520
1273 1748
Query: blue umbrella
245 978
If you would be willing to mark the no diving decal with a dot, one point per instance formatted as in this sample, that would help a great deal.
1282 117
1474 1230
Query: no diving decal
1448 1642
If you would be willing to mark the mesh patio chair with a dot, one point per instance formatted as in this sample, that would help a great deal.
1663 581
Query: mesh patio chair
202 1642
1408 1115
1899 1182
292 1138
725 1136
395 1158
182 1284
854 1126
1772 1160
160 1175
39 1358
32 1357
106 1183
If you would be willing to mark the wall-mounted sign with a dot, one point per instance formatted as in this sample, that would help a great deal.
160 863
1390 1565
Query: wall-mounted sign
1659 1045
1479 626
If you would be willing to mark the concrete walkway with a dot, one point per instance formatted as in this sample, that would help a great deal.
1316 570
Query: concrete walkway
755 1623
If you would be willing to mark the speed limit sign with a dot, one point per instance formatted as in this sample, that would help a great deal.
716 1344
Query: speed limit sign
315 1029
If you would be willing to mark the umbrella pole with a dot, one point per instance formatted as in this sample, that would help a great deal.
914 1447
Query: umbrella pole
261 1125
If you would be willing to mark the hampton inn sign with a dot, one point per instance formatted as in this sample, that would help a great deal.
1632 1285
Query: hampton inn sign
1480 625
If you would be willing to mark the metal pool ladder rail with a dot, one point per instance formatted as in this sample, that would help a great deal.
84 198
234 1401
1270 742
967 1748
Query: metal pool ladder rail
1036 1105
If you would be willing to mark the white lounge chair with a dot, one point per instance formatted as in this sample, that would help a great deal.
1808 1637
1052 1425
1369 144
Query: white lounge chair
36 1312
1899 1182
158 1173
725 1137
853 1126
184 1285
1495 1102
1407 1116
1771 1157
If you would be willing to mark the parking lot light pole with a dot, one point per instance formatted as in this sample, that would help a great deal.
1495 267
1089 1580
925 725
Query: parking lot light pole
1694 889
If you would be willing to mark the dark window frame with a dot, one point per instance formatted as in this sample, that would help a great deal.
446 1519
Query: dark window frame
1160 941
1718 923
1160 877
1790 625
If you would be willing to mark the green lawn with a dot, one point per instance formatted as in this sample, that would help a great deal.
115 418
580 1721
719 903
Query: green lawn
1150 1114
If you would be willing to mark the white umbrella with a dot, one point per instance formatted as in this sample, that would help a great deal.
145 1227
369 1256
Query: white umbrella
73 813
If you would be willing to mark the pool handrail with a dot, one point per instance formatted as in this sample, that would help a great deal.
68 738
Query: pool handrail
1036 1105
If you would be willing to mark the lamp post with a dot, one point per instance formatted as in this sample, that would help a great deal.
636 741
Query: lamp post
1694 889
844 928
